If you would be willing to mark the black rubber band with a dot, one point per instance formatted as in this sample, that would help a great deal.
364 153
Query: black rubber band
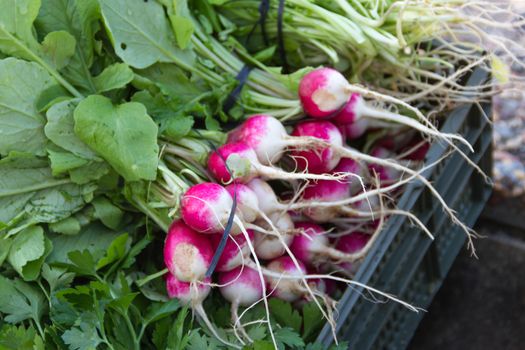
222 243
242 78
280 37
264 7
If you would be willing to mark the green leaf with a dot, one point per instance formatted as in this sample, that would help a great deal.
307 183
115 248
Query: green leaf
312 320
285 314
78 18
62 162
174 81
116 251
179 126
116 76
21 176
16 27
95 238
289 338
20 301
58 48
5 246
55 204
157 311
141 34
19 338
107 212
124 135
122 304
84 337
263 345
183 28
21 125
56 277
67 226
82 262
92 171
28 247
60 129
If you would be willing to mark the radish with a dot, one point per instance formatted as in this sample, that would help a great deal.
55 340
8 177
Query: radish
247 201
268 201
187 292
269 246
352 244
386 174
187 254
242 160
318 159
312 247
235 251
265 134
241 287
206 208
325 92
285 289
193 294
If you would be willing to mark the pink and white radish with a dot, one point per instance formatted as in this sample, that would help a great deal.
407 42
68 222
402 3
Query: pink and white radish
284 288
318 159
241 287
247 201
235 251
325 92
187 254
206 208
239 162
352 244
268 201
193 294
270 246
312 247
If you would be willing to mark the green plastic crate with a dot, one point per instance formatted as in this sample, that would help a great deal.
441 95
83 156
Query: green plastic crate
404 261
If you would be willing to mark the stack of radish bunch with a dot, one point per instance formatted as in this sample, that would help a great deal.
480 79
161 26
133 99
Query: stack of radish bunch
277 247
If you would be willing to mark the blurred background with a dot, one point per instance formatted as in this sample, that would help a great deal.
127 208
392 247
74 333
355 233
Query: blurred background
482 302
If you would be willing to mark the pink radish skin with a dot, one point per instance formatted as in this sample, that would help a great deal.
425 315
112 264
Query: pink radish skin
206 207
249 167
350 166
351 244
306 246
348 115
313 248
268 246
187 254
247 201
241 286
185 291
325 191
285 289
315 160
265 134
322 92
386 174
235 251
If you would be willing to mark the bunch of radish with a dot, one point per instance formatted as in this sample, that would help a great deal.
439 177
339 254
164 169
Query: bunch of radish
293 246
